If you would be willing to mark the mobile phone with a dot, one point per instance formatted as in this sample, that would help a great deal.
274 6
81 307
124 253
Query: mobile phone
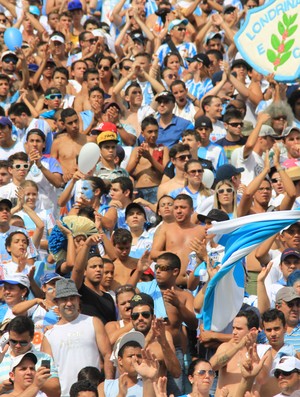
45 363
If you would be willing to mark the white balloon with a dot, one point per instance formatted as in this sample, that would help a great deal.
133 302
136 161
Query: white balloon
88 157
208 178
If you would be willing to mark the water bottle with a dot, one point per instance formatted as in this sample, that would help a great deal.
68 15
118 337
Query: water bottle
192 262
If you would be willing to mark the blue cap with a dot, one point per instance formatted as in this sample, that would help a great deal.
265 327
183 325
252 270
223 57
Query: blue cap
46 278
34 10
74 5
177 22
32 67
5 121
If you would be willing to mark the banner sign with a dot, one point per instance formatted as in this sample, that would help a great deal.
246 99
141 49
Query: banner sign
269 39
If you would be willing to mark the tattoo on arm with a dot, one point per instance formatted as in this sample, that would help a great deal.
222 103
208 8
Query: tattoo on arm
223 360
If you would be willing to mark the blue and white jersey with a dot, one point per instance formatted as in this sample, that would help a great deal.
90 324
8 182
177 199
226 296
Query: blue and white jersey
186 50
87 118
42 125
42 319
74 58
187 113
197 197
200 88
147 91
215 153
150 7
10 100
293 338
144 243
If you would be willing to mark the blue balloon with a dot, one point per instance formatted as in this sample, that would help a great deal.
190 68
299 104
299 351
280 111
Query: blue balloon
13 38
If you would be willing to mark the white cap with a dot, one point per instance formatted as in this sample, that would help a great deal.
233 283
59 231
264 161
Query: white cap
16 360
17 278
287 364
56 37
11 53
135 336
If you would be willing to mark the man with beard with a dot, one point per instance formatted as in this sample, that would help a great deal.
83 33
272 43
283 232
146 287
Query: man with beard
87 275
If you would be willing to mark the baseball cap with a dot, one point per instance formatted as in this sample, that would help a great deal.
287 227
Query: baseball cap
107 105
74 5
141 299
8 53
177 22
229 8
289 252
6 201
132 336
165 96
238 62
203 121
202 58
16 278
5 121
57 37
33 67
138 36
46 278
227 171
288 130
135 206
16 360
213 35
107 126
286 294
267 130
214 215
287 364
107 136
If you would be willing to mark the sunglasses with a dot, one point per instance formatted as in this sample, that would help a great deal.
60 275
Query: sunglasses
228 190
10 60
261 189
282 117
181 29
20 166
53 96
194 172
171 76
163 268
22 343
237 124
292 232
127 68
279 372
275 180
183 157
105 68
203 372
293 303
145 314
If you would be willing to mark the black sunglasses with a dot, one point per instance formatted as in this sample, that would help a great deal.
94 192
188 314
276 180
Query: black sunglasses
145 314
9 59
105 68
127 67
279 372
237 124
22 343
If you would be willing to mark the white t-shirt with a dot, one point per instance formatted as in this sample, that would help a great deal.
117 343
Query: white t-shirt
253 164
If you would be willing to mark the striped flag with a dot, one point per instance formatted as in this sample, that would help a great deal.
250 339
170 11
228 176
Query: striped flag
225 291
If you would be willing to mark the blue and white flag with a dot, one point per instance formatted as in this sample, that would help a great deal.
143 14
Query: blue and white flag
225 291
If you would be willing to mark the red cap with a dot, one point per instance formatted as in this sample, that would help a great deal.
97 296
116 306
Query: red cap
107 126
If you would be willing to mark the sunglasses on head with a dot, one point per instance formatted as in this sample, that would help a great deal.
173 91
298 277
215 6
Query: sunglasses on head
105 68
183 157
279 372
228 190
163 268
237 124
194 172
9 59
20 166
22 343
53 96
203 372
145 314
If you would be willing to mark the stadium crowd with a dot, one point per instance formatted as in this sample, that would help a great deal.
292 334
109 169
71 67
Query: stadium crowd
106 261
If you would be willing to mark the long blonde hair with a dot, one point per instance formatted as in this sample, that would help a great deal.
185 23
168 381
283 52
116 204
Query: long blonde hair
217 203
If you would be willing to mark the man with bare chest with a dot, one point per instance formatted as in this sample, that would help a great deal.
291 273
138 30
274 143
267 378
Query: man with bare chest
147 161
230 355
177 239
66 147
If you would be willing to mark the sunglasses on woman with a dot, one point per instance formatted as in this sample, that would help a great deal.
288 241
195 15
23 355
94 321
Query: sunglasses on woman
228 190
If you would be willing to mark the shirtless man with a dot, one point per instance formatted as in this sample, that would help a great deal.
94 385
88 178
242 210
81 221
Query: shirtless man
229 355
177 239
124 264
179 156
67 146
170 302
147 162
158 340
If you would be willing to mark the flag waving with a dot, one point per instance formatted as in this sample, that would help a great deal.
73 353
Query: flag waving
225 291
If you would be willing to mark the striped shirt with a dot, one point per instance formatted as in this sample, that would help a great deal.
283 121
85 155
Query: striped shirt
186 50
214 153
200 88
293 338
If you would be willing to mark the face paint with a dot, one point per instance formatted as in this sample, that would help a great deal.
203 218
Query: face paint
87 190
